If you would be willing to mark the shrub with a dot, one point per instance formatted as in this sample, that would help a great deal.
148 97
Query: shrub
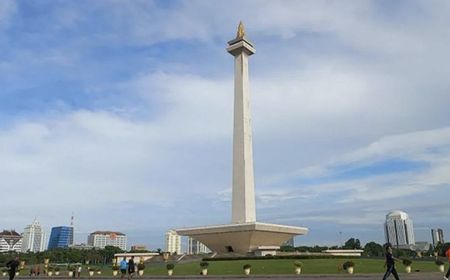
141 266
170 266
348 264
204 264
298 264
406 262
247 266
288 257
439 262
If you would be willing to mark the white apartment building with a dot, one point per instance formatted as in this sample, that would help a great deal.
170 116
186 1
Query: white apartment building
398 229
196 247
10 241
437 236
34 238
173 242
101 239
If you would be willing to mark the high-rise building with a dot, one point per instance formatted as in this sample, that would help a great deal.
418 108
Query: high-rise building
196 247
101 239
398 229
437 236
60 237
173 242
10 241
34 238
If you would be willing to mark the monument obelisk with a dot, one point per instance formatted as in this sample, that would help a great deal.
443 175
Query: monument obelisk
244 234
243 205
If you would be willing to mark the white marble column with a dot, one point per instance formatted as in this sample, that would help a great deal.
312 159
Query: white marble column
243 204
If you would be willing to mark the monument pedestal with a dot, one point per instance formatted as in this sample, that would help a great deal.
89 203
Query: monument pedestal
242 238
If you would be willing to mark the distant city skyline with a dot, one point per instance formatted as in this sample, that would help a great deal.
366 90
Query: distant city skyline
121 112
183 243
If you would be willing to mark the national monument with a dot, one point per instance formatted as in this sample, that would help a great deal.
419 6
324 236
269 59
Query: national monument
244 234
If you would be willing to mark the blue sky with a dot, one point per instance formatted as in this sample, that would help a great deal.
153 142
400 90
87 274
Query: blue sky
121 111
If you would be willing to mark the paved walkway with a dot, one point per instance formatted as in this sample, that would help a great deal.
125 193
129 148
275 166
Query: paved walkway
412 276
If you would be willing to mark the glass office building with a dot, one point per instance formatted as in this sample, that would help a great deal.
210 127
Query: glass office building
60 237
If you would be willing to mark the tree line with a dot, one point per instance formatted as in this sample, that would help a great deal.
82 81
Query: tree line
371 249
106 255
66 255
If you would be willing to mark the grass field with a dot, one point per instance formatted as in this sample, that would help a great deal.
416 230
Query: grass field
275 267
310 266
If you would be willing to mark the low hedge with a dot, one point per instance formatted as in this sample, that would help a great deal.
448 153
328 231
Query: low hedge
290 257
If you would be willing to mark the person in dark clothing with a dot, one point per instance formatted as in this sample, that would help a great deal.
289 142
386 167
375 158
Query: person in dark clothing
131 268
12 265
390 264
447 254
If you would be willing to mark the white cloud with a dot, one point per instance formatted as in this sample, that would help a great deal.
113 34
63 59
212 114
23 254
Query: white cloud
188 100
418 145
88 160
364 200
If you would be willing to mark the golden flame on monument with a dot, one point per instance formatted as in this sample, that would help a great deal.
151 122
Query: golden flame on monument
241 31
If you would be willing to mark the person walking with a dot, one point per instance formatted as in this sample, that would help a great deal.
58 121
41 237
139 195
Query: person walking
79 268
12 265
123 267
390 264
447 254
131 268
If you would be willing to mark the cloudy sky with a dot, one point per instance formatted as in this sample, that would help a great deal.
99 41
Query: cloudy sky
121 112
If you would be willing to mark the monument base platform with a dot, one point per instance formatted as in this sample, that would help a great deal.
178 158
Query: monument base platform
242 238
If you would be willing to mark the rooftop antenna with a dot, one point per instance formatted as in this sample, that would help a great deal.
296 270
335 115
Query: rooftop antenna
71 220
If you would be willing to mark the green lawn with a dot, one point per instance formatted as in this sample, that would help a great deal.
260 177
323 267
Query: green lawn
310 266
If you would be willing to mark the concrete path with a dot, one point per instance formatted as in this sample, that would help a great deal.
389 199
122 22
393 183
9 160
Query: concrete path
412 276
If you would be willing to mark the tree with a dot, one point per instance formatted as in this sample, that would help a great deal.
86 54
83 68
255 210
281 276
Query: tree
373 249
430 251
404 253
109 252
352 243
442 248
315 249
287 249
